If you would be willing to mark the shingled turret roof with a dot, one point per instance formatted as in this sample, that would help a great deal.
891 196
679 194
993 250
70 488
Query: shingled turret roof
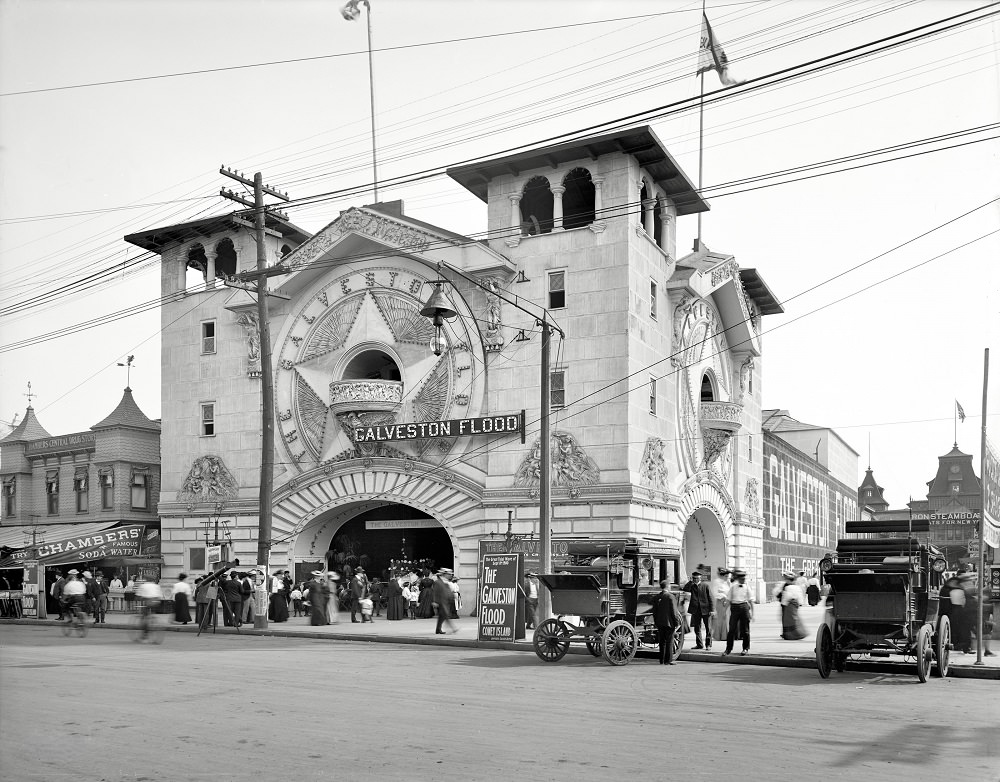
127 414
28 429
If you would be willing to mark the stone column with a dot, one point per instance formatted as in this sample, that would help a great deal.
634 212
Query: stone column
668 236
515 213
210 268
181 262
557 206
598 198
648 216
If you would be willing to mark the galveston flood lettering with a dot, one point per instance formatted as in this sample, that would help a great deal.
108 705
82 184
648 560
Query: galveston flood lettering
425 430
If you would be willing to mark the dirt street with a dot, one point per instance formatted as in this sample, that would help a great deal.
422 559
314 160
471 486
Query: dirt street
247 708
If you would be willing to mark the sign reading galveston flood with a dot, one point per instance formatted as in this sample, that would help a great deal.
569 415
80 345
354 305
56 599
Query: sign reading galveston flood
459 427
499 606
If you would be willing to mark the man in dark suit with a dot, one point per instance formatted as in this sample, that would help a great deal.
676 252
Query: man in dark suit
232 614
701 607
359 591
667 618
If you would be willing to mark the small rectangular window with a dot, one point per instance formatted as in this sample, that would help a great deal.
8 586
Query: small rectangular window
107 482
9 497
652 300
52 492
208 336
196 558
750 448
208 419
652 396
82 490
557 389
140 496
557 290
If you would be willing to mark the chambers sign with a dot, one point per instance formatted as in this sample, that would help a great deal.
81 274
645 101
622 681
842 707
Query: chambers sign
459 427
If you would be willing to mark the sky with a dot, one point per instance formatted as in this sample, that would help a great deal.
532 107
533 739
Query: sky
115 117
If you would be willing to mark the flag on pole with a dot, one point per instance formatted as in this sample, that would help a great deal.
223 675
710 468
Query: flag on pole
961 412
711 57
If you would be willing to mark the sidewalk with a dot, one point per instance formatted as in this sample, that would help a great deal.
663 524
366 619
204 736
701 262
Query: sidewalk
766 647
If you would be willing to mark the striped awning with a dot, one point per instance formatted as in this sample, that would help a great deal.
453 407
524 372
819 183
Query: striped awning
19 535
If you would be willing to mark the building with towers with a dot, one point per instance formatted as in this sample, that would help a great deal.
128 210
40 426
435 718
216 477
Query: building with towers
392 437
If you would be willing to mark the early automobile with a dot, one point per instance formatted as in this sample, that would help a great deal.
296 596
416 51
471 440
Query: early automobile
883 600
601 593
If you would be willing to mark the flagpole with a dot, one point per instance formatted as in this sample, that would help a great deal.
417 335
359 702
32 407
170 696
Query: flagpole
982 517
701 132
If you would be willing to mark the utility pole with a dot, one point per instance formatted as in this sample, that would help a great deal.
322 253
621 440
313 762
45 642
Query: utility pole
267 383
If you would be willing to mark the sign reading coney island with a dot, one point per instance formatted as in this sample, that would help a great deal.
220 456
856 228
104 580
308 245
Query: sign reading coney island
426 430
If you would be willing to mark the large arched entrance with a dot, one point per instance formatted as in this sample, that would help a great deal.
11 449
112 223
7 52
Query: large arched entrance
704 542
378 536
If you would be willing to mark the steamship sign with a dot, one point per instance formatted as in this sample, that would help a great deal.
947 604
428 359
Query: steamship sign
461 427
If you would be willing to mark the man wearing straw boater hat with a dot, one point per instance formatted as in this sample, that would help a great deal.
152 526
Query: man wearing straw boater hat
444 600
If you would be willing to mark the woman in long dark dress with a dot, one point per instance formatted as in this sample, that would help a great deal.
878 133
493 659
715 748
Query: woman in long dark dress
425 608
182 612
319 594
396 607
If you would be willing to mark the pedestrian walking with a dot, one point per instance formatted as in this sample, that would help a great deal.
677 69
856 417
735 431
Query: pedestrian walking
789 596
720 593
444 601
740 612
319 596
701 608
813 592
667 618
182 591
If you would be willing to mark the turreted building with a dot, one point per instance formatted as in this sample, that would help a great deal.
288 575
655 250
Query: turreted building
654 379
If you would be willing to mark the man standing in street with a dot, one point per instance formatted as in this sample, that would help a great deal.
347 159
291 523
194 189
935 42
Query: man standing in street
701 608
667 618
233 612
740 613
530 599
246 593
720 594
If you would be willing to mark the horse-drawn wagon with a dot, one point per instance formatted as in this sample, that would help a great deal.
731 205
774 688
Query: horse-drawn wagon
601 594
883 601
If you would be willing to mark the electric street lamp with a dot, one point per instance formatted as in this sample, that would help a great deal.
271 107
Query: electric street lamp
438 308
351 12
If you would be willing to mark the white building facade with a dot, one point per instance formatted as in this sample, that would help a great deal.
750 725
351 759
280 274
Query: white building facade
655 381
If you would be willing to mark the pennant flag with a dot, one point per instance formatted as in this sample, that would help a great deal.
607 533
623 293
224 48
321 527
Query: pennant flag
711 57
961 412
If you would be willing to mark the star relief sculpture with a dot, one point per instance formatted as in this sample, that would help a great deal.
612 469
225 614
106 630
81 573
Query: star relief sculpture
381 320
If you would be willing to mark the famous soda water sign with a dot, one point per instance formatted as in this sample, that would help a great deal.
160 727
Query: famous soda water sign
118 542
500 607
427 430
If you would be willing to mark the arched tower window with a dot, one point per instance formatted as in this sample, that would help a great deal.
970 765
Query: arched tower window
225 258
372 365
285 249
645 207
707 389
578 200
196 266
536 207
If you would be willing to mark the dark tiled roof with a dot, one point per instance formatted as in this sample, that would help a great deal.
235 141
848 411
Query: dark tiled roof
28 429
127 414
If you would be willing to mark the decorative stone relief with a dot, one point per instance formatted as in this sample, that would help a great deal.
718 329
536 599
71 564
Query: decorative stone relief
570 467
251 329
208 480
715 441
431 399
312 414
330 334
653 468
724 271
751 497
492 337
746 372
405 320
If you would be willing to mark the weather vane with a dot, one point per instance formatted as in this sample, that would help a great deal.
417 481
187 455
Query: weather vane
128 370
29 394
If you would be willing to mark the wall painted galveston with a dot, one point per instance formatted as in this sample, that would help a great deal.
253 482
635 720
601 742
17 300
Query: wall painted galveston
804 510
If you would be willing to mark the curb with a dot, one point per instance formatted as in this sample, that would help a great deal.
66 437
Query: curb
770 660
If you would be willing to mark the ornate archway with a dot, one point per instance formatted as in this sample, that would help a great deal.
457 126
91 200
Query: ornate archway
709 521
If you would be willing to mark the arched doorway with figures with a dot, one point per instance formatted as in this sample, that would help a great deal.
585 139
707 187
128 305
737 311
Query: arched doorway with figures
381 537
704 542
